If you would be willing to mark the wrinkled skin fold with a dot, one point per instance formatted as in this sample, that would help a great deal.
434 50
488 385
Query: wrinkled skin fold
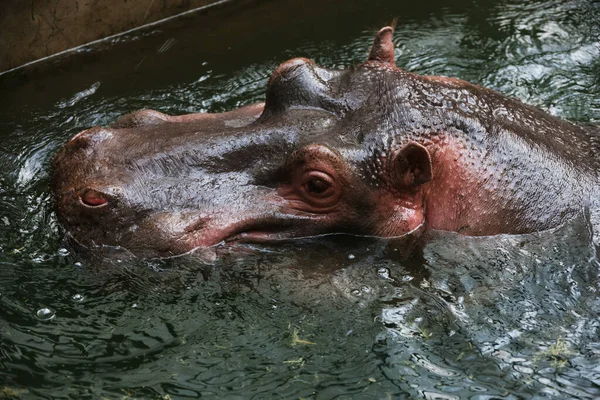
371 150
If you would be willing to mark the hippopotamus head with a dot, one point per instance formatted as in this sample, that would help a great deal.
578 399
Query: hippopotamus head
322 155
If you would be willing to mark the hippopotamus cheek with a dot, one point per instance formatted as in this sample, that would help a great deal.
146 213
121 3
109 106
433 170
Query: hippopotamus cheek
398 220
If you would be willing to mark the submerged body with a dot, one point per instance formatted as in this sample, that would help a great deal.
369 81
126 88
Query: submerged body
371 150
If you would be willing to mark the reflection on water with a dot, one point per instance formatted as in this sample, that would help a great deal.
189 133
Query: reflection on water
494 317
521 309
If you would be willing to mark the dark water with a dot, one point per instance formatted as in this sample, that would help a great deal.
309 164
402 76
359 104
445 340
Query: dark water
479 318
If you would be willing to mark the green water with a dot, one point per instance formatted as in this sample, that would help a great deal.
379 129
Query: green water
470 318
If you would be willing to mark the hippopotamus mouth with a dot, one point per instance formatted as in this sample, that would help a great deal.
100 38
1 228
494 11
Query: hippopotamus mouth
371 150
256 231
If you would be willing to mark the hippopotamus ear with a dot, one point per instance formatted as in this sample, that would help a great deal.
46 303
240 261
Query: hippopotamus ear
383 47
411 166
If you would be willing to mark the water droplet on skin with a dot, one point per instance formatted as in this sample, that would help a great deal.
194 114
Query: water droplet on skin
45 314
78 298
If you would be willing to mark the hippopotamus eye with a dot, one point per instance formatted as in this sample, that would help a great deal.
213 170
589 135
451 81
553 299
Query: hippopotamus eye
316 179
319 189
93 198
317 186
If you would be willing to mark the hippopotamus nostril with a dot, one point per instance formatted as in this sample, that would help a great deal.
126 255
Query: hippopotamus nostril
140 118
291 68
90 136
93 198
300 83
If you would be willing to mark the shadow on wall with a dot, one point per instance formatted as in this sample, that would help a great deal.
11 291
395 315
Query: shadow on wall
39 28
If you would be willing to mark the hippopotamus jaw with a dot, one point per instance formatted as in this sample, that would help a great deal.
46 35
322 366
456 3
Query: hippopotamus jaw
258 230
319 194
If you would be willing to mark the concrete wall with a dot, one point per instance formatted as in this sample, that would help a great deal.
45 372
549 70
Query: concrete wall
33 29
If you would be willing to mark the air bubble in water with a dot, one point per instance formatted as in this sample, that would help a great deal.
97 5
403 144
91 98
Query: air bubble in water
78 298
45 314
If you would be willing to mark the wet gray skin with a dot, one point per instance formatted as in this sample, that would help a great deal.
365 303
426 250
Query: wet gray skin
371 150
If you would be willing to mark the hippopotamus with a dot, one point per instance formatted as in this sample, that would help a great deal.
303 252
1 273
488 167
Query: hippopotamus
371 150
